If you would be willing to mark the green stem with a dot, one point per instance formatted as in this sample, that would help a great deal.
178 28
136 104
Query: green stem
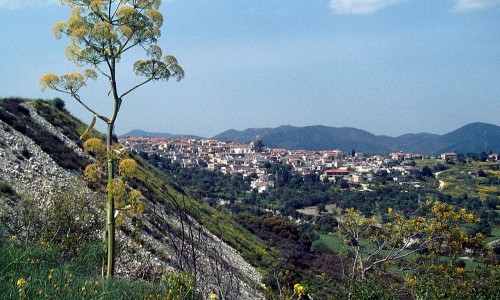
110 224
110 219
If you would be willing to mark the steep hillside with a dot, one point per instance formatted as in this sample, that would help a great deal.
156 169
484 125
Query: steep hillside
42 161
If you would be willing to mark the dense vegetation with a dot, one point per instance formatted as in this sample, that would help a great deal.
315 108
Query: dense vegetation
55 254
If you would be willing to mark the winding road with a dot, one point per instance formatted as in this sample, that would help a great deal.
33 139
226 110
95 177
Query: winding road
441 183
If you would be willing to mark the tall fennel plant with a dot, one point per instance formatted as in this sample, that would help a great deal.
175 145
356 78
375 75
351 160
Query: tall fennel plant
100 33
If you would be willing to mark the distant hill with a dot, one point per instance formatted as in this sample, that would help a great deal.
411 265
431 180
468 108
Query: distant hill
141 133
474 137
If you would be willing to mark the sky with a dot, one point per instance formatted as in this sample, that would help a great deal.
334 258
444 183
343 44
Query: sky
389 67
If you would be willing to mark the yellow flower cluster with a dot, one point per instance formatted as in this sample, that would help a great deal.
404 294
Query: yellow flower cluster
49 80
21 283
95 145
155 17
410 280
97 5
91 173
117 188
103 30
299 290
128 168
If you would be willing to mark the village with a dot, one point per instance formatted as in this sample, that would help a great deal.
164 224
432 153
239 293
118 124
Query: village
253 159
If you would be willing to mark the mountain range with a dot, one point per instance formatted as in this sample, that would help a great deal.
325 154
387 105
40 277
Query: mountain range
473 137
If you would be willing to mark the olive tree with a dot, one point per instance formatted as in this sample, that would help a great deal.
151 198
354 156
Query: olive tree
101 32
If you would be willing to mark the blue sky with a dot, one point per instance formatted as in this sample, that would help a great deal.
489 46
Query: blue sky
386 66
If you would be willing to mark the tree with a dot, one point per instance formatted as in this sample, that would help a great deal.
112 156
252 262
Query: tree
58 103
426 171
101 32
408 242
257 145
483 156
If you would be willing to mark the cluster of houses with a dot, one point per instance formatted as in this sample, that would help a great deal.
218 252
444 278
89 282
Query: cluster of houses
249 160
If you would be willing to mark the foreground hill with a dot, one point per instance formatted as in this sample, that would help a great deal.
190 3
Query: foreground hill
44 197
474 137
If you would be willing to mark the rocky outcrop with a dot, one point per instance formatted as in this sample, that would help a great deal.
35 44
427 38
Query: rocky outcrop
165 241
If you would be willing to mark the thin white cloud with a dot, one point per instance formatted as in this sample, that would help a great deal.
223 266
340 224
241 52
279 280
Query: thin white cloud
359 6
469 5
19 4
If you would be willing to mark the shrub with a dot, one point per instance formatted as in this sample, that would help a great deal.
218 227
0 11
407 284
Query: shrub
25 152
58 103
5 188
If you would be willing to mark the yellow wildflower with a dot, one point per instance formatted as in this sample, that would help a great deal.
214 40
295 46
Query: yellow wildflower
117 188
21 283
299 289
94 145
92 173
409 280
103 30
128 167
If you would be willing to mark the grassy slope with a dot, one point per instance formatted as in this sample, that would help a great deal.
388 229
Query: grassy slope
45 277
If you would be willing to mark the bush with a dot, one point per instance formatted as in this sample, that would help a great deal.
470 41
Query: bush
58 103
320 246
5 188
